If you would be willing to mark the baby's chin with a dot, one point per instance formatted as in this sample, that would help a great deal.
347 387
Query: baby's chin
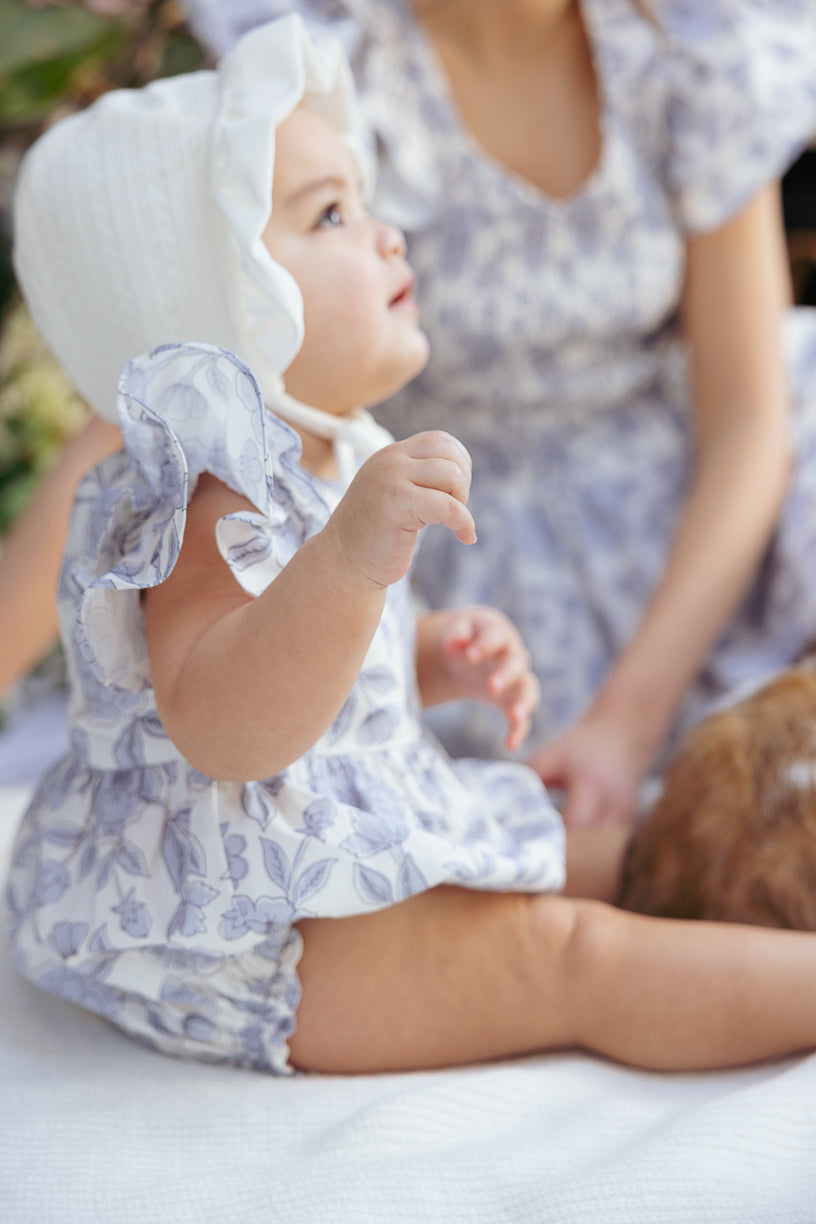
421 359
426 350
409 370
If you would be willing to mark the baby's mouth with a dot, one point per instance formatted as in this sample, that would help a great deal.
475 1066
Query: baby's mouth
405 296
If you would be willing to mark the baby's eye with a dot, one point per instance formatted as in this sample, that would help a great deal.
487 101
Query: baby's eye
330 217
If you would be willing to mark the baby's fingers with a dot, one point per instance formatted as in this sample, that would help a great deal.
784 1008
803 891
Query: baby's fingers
518 728
490 641
436 506
437 444
519 699
513 674
459 633
440 461
440 473
445 475
481 636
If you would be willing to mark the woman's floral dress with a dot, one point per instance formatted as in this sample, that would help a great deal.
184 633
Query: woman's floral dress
555 353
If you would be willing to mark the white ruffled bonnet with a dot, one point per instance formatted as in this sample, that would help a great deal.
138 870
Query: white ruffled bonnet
138 221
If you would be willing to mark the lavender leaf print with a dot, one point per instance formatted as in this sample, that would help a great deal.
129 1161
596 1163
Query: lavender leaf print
376 728
377 679
373 886
312 880
276 863
63 835
131 859
411 879
87 861
52 881
66 937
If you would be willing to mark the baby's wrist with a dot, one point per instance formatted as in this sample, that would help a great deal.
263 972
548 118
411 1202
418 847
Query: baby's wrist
337 575
435 674
341 564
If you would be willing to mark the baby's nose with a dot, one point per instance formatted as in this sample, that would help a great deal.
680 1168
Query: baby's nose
390 240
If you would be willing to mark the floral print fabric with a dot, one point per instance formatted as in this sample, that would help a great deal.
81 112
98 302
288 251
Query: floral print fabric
555 354
164 899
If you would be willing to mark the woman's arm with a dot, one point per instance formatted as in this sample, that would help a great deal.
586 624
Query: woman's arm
732 315
32 554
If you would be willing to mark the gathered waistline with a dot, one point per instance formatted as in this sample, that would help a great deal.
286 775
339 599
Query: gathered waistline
104 752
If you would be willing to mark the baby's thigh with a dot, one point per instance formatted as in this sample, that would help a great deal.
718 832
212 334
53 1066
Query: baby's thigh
448 977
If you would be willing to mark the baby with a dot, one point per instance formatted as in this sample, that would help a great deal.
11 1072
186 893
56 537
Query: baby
253 852
262 631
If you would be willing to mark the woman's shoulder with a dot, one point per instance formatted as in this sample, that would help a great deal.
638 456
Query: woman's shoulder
741 80
219 24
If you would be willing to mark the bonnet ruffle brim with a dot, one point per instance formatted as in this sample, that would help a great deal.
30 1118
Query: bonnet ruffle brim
138 221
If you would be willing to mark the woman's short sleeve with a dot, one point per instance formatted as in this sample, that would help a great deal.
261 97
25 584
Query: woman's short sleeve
220 23
742 99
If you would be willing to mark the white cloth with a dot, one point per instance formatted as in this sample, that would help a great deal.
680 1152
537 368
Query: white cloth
97 1129
355 437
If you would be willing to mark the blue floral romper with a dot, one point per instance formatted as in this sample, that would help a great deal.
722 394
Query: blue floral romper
161 898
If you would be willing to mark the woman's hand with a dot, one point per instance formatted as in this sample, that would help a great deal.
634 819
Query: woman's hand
477 653
599 770
397 492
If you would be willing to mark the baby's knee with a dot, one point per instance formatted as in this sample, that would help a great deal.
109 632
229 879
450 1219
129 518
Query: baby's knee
574 936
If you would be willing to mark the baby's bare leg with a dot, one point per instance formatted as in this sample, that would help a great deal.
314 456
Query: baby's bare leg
454 976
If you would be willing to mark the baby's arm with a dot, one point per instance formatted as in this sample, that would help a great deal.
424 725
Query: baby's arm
246 685
477 653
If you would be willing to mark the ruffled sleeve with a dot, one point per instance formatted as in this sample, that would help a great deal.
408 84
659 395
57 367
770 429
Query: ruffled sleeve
742 99
184 409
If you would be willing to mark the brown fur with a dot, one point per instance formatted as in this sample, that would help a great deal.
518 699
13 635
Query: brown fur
733 836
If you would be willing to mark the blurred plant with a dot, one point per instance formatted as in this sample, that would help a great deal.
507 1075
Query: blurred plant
39 411
56 57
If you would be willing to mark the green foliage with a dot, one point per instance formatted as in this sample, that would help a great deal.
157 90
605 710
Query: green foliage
44 51
38 412
56 57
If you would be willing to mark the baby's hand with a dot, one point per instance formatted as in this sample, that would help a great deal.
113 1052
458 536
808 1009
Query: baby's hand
486 660
397 492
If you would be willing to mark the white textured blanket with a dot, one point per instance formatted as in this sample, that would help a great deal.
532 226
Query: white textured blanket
96 1130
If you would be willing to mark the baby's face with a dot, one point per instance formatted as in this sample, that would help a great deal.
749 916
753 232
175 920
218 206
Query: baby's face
362 340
